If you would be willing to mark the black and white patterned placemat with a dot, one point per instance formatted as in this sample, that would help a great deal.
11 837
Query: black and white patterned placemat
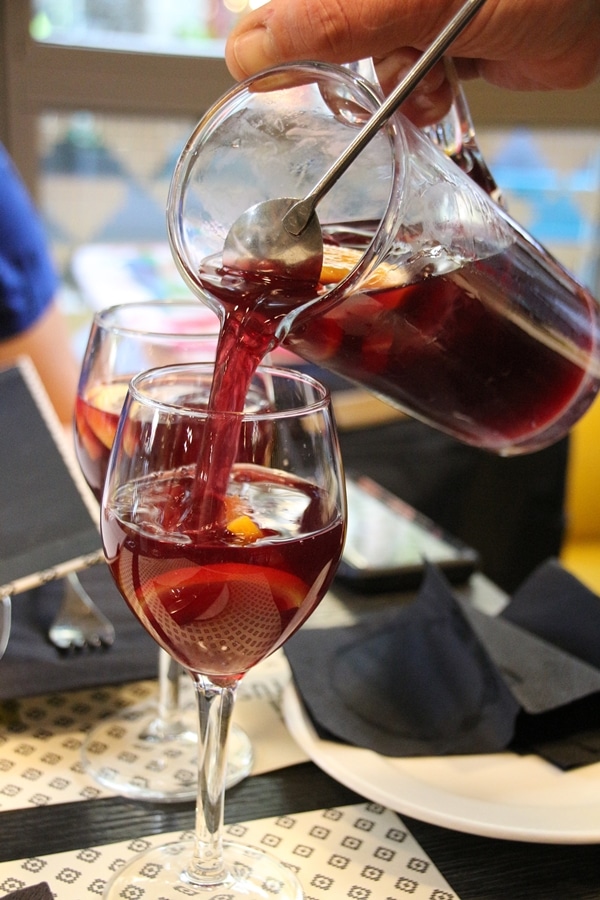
41 737
360 852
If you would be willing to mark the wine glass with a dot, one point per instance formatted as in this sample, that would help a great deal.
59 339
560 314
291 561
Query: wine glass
223 531
149 750
5 622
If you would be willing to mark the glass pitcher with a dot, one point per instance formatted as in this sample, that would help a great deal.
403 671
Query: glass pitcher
431 296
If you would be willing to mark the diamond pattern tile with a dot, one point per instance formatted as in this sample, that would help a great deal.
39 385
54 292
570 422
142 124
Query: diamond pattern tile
106 178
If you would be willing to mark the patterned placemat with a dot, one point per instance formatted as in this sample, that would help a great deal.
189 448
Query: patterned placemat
361 852
41 737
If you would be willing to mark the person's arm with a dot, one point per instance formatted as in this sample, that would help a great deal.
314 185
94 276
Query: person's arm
514 44
31 322
48 344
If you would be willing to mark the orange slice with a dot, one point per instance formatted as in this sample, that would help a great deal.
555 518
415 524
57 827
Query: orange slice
104 406
338 262
223 618
236 519
202 593
108 397
85 435
244 529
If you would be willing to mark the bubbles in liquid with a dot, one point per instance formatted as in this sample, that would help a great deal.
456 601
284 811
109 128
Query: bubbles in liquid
144 506
158 506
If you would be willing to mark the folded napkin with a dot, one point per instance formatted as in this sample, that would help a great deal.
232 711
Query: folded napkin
35 892
31 665
437 676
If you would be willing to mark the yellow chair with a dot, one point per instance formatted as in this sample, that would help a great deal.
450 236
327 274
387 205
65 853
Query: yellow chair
581 550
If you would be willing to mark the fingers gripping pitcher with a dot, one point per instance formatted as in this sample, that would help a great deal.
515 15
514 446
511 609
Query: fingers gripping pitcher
430 295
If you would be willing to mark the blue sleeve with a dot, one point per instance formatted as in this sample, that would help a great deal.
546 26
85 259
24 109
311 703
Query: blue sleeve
28 280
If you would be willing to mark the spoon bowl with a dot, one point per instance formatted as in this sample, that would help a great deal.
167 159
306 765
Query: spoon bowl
260 244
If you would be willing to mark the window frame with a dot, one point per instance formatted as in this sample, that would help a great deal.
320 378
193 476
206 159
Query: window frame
36 78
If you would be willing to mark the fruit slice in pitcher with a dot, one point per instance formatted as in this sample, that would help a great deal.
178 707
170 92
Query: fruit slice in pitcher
338 262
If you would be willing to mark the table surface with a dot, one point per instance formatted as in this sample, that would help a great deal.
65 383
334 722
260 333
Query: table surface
477 868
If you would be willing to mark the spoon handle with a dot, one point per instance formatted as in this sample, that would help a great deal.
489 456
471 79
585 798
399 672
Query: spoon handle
296 220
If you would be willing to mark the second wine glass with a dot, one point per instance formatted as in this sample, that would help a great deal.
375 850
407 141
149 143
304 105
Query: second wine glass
148 751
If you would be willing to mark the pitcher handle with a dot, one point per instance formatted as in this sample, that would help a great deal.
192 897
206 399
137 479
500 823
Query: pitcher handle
455 135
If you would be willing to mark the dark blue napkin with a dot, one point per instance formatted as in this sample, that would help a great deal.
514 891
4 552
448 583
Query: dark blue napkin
31 665
436 676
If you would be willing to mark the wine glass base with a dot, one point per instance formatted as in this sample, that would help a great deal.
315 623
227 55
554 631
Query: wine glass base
138 756
160 872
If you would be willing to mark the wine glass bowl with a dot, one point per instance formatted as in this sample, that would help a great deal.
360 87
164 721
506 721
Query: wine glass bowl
252 522
223 531
124 340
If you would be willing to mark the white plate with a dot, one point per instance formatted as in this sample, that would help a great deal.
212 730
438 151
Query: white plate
498 795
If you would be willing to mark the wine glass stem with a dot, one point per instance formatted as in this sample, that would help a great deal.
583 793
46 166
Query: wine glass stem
167 724
215 707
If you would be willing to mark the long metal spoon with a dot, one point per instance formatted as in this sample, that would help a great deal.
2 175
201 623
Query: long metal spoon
282 237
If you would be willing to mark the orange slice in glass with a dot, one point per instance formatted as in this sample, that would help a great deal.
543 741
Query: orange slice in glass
105 402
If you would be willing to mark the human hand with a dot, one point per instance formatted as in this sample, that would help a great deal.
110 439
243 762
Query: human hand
514 44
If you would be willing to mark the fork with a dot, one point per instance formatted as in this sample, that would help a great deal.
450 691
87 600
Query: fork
79 623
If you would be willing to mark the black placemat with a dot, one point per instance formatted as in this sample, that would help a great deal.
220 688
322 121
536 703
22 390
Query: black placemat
44 520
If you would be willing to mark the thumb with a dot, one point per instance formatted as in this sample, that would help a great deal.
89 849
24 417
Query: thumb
327 30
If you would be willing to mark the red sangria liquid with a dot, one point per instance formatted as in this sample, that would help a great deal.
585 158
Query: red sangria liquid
97 414
442 348
96 420
222 598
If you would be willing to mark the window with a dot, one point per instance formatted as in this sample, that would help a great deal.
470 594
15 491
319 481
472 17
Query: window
188 26
40 76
